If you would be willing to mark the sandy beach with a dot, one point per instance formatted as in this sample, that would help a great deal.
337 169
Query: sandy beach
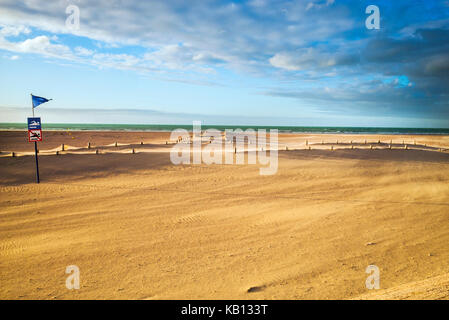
139 227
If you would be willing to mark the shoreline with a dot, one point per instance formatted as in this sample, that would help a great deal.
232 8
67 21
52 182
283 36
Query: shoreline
282 129
367 133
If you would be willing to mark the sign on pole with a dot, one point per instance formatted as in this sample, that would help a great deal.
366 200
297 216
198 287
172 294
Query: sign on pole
34 123
34 135
34 129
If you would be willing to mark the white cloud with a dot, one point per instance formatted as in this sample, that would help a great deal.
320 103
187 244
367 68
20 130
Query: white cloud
284 61
13 31
172 56
302 60
39 44
210 32
183 57
44 46
119 61
83 51
319 4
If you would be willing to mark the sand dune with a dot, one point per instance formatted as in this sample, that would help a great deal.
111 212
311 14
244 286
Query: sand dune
139 227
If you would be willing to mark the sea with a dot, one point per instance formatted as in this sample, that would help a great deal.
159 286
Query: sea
281 129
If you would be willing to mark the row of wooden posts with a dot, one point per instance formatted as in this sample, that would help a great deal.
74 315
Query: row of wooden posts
89 146
365 142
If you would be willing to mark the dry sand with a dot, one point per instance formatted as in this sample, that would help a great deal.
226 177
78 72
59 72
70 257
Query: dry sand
139 227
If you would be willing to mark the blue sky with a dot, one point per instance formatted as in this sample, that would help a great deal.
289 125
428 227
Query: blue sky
227 62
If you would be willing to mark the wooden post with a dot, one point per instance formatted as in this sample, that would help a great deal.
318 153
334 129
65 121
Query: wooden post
88 145
97 152
116 143
62 147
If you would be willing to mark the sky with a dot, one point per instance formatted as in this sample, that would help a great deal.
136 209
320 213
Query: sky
256 62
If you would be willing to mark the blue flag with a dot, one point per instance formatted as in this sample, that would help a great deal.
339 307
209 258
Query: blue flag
38 100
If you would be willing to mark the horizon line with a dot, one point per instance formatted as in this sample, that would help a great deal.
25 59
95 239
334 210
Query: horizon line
221 125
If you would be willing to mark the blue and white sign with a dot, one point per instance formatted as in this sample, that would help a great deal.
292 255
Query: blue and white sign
34 123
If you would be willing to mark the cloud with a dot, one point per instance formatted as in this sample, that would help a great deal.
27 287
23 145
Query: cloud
83 51
119 61
319 4
302 60
258 3
7 31
311 59
437 65
423 57
289 44
213 32
182 57
39 44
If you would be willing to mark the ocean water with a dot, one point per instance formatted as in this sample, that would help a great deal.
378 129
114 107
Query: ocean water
170 127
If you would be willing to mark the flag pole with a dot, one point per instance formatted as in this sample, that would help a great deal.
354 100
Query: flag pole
35 146
32 106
